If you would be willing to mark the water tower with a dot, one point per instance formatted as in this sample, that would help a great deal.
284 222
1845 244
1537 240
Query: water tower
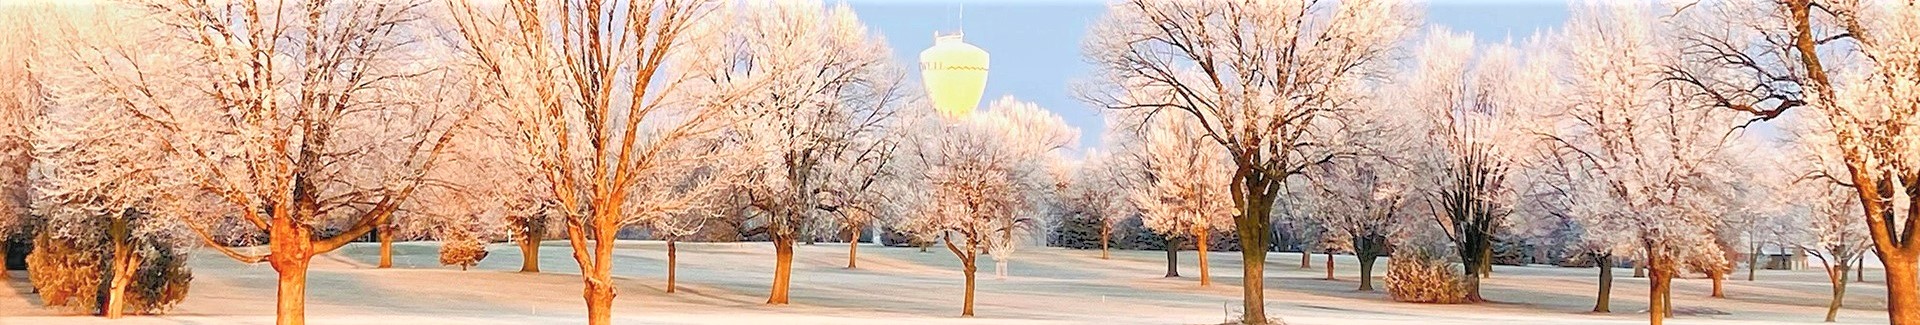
955 74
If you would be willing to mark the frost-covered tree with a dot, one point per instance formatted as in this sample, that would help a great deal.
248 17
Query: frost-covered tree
1094 192
19 109
1187 195
1264 79
598 92
1616 111
1363 201
1035 138
461 211
1297 222
1845 65
1820 213
984 178
814 91
860 200
1468 131
1560 185
309 122
525 209
1828 229
113 239
674 228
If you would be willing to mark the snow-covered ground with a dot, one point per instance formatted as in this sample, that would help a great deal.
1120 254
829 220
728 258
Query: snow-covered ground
726 283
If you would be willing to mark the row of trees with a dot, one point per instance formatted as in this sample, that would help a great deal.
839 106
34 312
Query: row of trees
274 132
1626 130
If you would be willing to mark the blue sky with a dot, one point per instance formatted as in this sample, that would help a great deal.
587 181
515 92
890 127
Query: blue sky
1035 45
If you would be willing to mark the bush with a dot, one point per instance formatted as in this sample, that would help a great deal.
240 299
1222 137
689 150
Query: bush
464 252
1423 276
71 275
65 274
161 282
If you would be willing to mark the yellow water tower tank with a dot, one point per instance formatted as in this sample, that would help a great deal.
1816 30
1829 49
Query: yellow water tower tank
955 74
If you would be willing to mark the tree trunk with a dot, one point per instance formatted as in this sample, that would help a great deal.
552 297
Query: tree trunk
853 248
291 244
1306 259
1366 249
1329 265
1253 196
1605 297
782 270
292 298
385 233
1639 269
530 253
1253 255
1839 279
1666 292
1173 256
596 266
1753 260
1903 301
1718 278
3 259
1473 284
1105 235
124 263
599 295
1486 261
1253 226
968 265
966 309
1366 271
1206 278
1860 269
1656 304
673 263
1471 256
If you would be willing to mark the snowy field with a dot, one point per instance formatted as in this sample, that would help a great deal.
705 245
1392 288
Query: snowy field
725 283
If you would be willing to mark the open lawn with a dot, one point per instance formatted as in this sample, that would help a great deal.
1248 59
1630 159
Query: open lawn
726 283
